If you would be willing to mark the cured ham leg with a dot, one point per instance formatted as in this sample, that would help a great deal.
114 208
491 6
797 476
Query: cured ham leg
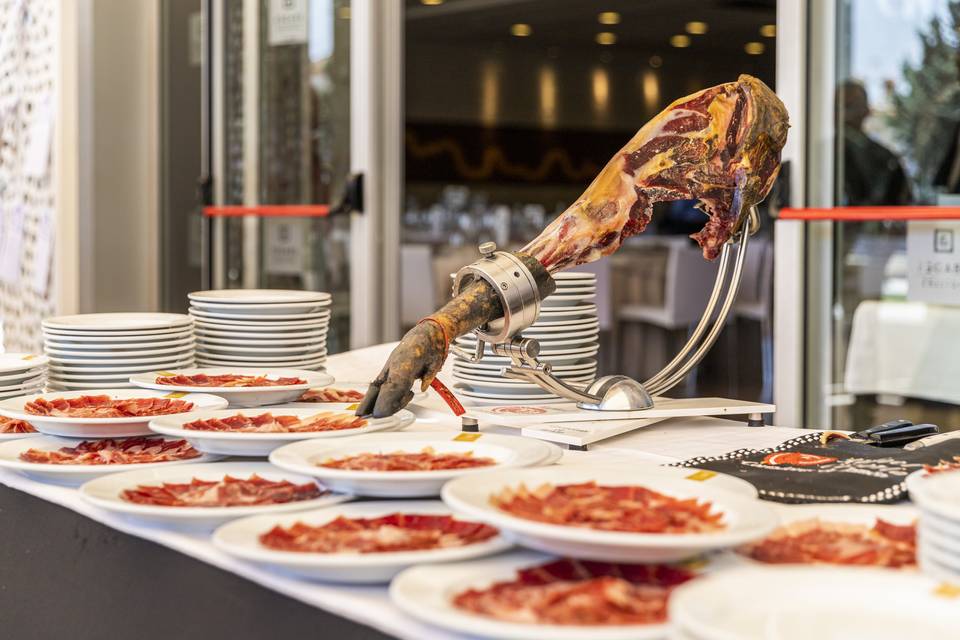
720 146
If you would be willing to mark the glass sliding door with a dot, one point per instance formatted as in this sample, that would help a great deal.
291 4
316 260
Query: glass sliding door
883 299
281 149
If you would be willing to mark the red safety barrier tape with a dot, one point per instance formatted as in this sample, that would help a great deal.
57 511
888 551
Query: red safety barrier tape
865 214
269 211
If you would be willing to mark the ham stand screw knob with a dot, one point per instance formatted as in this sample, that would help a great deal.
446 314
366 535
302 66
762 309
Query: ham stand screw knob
487 249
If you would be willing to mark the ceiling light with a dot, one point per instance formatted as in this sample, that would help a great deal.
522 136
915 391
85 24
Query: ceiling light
656 62
768 31
608 17
606 37
754 48
521 30
697 28
680 41
432 3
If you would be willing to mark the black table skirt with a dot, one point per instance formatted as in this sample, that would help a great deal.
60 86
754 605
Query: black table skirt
65 576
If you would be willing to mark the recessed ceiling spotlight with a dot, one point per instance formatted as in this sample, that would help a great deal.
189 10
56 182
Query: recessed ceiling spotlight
606 37
768 31
680 41
656 62
697 28
754 48
608 17
521 30
432 3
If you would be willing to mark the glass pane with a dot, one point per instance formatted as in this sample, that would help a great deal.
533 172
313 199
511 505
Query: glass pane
303 127
513 108
897 123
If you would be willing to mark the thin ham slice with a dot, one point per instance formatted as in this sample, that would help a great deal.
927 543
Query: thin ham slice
103 406
139 450
269 423
227 492
425 460
228 380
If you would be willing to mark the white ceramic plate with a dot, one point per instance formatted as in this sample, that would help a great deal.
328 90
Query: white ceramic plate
561 300
27 391
426 593
484 378
555 313
470 392
80 355
304 350
119 348
71 361
239 318
11 363
259 296
551 329
206 333
553 343
798 603
240 309
261 444
574 275
204 340
503 385
105 492
306 456
55 384
937 493
209 361
98 369
489 367
241 539
586 288
99 427
262 326
72 474
108 337
117 321
241 396
746 519
21 376
23 384
346 385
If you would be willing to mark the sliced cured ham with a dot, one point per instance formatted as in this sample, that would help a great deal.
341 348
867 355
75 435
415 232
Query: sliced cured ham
139 450
610 508
227 380
331 395
227 492
104 406
10 425
940 467
425 460
578 592
269 423
389 533
819 542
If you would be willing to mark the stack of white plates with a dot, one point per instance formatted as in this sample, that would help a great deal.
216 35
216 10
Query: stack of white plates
21 374
567 330
102 350
937 496
261 328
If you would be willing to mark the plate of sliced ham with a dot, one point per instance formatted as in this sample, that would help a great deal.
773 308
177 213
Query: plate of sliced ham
206 495
240 386
72 460
103 413
257 432
366 542
406 465
531 596
11 429
348 392
610 513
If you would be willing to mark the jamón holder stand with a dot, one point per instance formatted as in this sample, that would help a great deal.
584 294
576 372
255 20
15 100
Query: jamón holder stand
520 298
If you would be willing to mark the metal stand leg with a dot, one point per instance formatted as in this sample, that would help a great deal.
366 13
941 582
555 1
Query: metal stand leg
755 420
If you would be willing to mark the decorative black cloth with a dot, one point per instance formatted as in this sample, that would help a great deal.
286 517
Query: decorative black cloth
802 470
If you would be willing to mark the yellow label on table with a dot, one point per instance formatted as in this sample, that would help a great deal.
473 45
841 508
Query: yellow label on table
176 394
353 407
468 437
701 475
166 374
30 357
947 590
695 564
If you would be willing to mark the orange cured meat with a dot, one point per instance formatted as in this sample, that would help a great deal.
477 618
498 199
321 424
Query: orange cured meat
426 460
818 542
610 508
389 533
138 450
103 406
228 492
578 592
331 395
227 380
269 423
10 425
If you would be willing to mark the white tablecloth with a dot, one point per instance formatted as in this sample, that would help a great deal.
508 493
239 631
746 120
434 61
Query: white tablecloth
908 349
664 442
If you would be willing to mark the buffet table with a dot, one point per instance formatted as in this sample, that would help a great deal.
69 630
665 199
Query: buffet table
68 567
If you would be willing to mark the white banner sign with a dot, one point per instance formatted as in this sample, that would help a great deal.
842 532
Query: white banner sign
288 22
933 261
